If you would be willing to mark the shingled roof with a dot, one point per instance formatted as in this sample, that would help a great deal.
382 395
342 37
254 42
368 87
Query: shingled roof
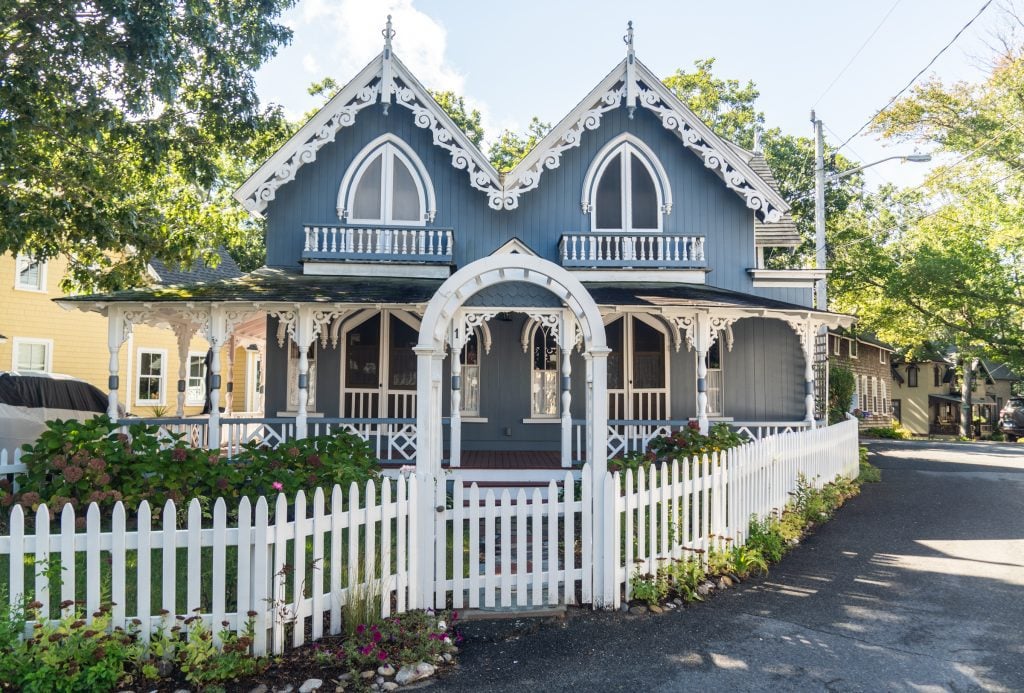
200 271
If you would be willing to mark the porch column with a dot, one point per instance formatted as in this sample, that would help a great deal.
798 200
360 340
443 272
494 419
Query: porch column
597 457
229 396
184 334
807 342
118 330
566 333
303 337
457 339
216 335
428 469
702 340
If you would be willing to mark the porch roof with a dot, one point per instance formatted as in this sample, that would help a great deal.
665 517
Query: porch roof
274 285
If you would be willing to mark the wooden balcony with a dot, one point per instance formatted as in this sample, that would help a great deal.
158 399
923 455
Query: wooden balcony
634 250
393 244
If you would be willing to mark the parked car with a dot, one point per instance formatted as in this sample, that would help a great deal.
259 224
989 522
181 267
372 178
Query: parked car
29 400
1011 419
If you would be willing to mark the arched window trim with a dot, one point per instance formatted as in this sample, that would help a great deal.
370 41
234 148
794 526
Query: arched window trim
382 146
626 144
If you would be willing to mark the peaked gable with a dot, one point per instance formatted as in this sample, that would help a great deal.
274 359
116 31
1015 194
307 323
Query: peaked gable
386 78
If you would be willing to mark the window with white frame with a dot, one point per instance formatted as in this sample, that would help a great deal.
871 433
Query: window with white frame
837 343
885 397
882 357
32 355
626 188
853 348
470 360
195 385
544 373
29 274
152 371
387 184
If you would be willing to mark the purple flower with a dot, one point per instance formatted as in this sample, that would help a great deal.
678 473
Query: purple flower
365 651
277 487
382 655
360 629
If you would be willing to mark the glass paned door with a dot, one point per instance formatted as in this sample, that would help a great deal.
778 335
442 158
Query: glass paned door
637 371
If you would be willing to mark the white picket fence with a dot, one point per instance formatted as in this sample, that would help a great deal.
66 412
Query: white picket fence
295 569
284 574
11 465
670 510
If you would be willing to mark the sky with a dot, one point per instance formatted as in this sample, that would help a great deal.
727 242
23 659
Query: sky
530 58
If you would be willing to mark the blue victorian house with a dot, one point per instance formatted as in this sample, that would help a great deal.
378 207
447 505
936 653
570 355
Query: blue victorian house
608 289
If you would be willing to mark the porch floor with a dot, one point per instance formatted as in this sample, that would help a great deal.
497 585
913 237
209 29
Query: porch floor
511 459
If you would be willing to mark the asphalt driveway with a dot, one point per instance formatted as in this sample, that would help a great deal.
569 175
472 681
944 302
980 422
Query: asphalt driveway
918 584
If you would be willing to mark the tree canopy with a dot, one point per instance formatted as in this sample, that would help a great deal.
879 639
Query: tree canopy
116 123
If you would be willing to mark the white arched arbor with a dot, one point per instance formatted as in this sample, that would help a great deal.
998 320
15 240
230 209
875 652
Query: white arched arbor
446 323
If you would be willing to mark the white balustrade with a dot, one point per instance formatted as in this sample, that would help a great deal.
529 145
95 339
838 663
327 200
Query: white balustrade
628 250
387 243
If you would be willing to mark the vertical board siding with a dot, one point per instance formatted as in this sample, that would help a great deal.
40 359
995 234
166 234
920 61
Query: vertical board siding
702 204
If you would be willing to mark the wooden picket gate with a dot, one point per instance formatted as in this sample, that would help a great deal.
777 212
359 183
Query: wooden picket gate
517 549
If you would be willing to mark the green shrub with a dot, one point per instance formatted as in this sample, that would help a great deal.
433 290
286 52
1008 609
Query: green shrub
766 536
683 577
415 636
682 445
747 561
649 588
841 386
79 463
893 432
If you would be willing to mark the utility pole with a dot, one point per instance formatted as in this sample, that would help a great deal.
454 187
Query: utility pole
821 294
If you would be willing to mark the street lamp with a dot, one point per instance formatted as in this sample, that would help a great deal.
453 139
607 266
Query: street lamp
820 180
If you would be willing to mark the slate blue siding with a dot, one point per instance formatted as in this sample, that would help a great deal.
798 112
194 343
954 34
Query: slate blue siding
764 372
702 204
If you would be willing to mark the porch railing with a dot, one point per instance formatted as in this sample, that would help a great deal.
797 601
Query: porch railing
391 439
632 250
626 436
378 243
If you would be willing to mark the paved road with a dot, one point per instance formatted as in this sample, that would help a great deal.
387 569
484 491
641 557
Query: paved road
918 584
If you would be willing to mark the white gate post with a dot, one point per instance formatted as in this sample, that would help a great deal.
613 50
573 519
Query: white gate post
807 341
567 334
457 339
597 457
428 469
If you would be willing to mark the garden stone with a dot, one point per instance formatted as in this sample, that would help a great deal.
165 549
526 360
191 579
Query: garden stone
287 689
368 674
655 609
405 675
389 686
386 670
677 601
638 609
624 607
262 688
724 583
379 680
310 685
423 670
347 676
447 656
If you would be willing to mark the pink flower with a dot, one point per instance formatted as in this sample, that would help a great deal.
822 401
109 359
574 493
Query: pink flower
277 485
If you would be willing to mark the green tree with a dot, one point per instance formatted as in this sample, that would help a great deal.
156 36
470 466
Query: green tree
468 121
114 124
728 107
512 147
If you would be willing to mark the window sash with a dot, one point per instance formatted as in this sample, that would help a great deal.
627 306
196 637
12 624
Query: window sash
622 158
195 384
29 274
387 154
544 380
150 377
32 356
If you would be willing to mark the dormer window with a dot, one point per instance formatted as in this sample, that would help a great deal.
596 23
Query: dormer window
626 188
387 184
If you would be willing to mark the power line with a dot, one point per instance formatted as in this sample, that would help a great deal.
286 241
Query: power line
915 78
859 50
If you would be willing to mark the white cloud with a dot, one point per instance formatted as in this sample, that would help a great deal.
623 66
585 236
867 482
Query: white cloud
310 64
355 30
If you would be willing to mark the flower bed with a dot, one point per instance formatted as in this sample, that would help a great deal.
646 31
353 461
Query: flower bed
684 444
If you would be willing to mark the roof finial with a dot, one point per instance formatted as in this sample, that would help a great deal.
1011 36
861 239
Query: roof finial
388 34
628 39
631 85
758 149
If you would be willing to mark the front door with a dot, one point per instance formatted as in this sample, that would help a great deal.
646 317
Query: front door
379 375
637 370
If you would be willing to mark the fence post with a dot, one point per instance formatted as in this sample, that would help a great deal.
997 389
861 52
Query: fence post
428 468
597 456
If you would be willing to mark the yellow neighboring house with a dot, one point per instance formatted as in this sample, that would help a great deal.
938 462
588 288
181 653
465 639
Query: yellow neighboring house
37 335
